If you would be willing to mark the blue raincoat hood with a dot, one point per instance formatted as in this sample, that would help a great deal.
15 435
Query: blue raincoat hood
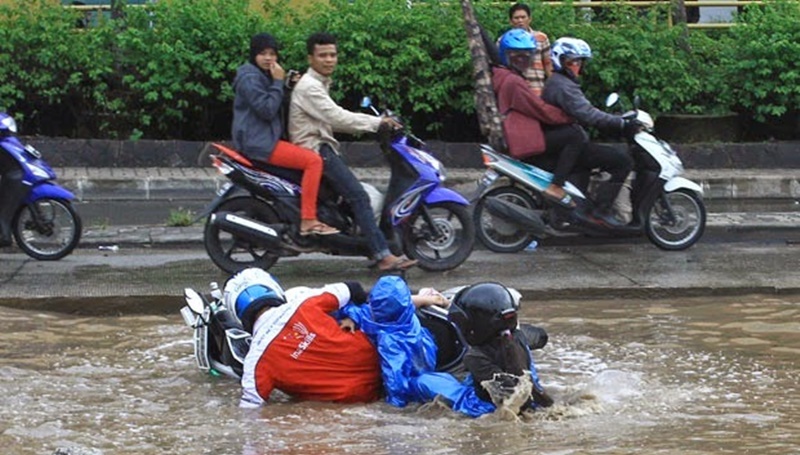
391 306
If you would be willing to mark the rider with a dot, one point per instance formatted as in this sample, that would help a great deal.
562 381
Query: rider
487 315
563 89
536 132
407 350
313 118
258 125
297 347
12 192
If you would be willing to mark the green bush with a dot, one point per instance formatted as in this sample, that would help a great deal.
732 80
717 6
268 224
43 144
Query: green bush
164 71
761 64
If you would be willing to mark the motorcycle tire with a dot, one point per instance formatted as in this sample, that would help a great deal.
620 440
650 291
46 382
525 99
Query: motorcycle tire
497 234
447 250
684 227
51 235
231 253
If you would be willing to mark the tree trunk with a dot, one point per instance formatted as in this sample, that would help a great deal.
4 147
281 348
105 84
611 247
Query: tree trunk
485 102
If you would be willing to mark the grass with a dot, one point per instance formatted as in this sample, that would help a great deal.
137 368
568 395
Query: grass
180 217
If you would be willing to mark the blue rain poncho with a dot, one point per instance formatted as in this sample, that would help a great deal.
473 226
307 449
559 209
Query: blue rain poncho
408 351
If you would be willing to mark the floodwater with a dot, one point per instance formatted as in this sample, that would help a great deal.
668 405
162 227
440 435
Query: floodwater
695 376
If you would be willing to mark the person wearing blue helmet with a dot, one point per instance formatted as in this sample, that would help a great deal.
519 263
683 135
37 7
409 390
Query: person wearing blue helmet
297 346
562 89
536 132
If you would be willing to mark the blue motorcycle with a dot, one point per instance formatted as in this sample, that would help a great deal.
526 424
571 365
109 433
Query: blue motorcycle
45 225
255 218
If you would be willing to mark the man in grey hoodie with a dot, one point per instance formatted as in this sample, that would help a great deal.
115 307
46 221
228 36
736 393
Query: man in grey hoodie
563 89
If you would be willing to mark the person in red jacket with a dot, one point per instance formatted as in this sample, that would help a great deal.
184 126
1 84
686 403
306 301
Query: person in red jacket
536 132
297 346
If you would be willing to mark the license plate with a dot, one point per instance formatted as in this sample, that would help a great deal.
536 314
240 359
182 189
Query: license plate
224 188
489 177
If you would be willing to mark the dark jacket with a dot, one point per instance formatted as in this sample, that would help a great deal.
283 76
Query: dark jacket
257 120
565 92
524 113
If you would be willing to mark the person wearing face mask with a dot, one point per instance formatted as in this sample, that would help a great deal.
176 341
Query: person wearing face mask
562 89
258 126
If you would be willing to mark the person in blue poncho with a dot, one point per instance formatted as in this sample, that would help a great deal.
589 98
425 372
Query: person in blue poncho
407 350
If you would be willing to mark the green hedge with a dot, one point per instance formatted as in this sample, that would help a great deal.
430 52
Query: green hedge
164 71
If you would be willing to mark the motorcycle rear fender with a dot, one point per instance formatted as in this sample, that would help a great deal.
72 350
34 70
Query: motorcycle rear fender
48 190
680 182
227 193
442 194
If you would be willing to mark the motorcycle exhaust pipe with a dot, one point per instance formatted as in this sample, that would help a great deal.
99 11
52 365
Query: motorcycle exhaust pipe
525 218
253 231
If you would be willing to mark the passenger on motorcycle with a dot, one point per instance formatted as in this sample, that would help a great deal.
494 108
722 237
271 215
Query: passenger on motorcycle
536 132
258 126
407 350
12 191
498 357
313 118
297 347
562 89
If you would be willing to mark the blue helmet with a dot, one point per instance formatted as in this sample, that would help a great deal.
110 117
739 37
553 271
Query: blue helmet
515 39
569 48
250 291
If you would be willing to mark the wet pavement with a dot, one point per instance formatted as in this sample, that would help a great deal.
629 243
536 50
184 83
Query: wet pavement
151 279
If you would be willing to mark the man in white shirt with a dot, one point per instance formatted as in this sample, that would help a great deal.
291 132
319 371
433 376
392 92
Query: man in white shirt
313 117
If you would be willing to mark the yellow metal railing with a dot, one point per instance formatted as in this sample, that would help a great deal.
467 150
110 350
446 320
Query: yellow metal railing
583 4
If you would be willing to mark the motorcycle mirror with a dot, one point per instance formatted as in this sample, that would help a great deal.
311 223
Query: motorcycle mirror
195 301
636 101
612 99
366 102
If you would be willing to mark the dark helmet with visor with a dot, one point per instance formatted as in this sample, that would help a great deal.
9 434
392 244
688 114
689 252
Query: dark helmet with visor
483 311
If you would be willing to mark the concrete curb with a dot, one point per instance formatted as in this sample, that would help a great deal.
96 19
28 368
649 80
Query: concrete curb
91 184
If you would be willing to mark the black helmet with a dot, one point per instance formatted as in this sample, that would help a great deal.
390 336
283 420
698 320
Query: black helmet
484 310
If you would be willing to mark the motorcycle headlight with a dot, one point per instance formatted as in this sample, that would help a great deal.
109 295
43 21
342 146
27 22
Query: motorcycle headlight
442 172
9 123
645 119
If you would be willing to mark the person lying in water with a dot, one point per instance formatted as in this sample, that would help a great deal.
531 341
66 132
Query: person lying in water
407 350
499 358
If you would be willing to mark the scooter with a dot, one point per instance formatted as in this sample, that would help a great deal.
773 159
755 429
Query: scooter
221 344
45 225
510 211
255 218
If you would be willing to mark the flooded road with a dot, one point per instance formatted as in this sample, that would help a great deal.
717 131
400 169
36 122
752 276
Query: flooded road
689 376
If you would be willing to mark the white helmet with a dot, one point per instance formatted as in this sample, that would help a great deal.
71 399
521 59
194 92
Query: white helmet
249 291
569 48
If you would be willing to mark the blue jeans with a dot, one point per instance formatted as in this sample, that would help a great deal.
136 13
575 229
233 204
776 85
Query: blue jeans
345 183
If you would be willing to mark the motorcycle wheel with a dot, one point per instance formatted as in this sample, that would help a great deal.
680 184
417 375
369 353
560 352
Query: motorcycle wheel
231 253
447 250
682 230
497 234
49 234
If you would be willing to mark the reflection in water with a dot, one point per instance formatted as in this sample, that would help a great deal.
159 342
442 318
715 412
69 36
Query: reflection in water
696 376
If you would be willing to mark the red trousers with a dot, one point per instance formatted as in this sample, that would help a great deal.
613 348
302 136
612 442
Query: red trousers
292 156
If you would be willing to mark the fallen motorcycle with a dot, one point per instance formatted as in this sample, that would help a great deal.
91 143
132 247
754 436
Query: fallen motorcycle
221 344
510 211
